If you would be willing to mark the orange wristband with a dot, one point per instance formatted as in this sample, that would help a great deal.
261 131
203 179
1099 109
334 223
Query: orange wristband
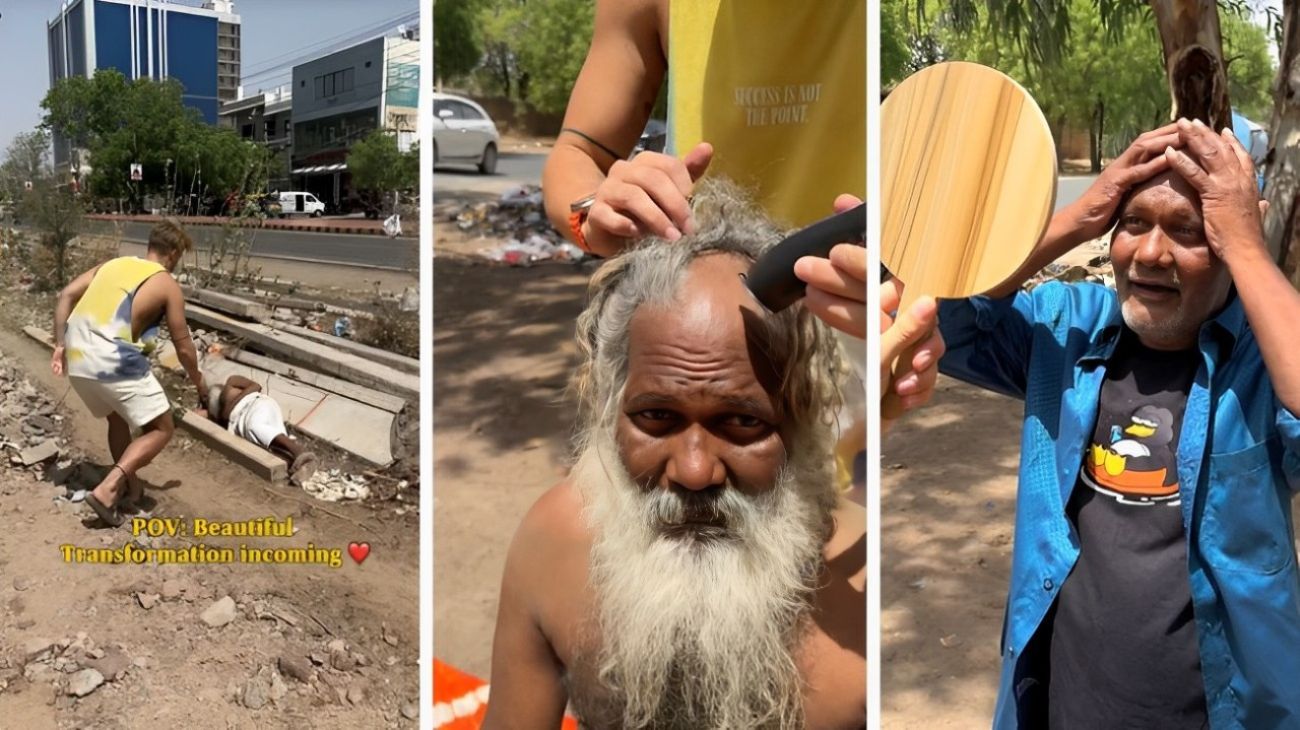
576 219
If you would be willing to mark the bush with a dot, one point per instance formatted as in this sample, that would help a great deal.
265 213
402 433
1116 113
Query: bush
392 329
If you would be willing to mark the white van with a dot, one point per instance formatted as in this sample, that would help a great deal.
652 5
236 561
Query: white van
295 203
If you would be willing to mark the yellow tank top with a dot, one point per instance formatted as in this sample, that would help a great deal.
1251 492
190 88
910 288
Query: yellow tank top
779 88
98 341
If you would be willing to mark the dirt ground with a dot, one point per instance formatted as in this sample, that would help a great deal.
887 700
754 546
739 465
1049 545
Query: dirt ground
503 352
351 633
947 509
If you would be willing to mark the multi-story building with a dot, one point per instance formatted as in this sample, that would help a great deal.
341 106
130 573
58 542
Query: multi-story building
197 44
340 98
265 118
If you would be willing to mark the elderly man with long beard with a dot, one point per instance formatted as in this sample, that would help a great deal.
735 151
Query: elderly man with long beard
697 569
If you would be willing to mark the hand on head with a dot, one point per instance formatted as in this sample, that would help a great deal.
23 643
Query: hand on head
1218 167
1094 211
645 196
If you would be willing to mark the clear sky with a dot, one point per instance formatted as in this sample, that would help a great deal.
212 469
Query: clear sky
273 31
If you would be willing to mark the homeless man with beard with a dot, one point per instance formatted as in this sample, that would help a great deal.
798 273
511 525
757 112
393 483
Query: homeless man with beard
697 568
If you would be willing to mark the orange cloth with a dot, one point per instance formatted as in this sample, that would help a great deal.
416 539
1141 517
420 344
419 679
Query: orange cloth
460 700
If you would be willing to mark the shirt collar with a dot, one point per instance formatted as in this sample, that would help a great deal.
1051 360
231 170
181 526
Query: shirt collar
1225 328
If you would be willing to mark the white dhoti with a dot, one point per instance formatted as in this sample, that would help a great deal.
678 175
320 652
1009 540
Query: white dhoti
257 418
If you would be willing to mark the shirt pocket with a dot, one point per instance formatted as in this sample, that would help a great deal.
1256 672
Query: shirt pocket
1245 527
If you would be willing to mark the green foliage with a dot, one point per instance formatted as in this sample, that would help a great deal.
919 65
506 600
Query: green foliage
1251 69
528 51
552 44
378 166
1107 76
26 160
119 123
456 49
57 212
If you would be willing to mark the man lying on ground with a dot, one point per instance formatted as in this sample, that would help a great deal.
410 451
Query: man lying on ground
697 569
243 409
1153 578
105 325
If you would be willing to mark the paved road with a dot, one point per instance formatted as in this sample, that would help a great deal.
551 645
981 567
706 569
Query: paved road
332 248
1068 189
526 168
513 168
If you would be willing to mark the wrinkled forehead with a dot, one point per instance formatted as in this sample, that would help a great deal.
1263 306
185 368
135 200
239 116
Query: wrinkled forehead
1167 192
711 312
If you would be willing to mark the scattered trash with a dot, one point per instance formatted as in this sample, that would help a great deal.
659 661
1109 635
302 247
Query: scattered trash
335 486
534 249
393 226
343 327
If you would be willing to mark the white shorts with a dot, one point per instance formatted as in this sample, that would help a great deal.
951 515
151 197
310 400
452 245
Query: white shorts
137 401
257 418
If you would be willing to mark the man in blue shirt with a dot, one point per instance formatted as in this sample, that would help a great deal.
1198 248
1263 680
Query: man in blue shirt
1154 580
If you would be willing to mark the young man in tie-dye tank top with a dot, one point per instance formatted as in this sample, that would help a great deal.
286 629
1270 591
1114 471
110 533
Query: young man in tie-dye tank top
105 327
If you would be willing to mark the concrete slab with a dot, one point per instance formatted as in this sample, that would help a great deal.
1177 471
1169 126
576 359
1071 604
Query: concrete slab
318 355
357 428
228 303
391 359
257 460
369 396
250 456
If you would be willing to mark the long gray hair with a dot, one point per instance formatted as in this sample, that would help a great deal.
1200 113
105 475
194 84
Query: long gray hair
803 350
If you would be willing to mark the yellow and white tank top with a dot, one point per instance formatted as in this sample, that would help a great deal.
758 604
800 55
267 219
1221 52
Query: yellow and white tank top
779 89
98 339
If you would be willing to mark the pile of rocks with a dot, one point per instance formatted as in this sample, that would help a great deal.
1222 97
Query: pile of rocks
30 427
76 667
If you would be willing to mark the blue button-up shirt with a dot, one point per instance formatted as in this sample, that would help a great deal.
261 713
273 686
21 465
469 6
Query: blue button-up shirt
1238 464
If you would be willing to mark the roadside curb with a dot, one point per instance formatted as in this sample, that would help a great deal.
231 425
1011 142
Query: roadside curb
356 230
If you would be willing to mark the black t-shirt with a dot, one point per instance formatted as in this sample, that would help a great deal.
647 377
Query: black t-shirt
1122 650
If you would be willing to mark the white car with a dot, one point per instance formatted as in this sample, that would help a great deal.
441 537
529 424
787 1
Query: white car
464 133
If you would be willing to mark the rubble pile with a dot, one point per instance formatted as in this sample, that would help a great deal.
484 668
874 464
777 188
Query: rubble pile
30 425
518 216
75 667
336 486
1097 270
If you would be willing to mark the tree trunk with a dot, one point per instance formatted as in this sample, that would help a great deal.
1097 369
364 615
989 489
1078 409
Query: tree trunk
1097 134
1193 50
1282 184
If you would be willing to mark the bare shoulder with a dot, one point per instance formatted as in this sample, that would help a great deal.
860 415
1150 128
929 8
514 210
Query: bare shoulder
553 528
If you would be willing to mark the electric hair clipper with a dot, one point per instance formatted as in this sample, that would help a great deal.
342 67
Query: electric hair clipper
772 281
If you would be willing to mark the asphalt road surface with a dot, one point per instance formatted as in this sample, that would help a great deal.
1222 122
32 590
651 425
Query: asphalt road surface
1068 189
513 169
331 248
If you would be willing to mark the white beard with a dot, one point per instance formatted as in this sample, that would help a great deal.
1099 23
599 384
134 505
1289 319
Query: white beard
697 628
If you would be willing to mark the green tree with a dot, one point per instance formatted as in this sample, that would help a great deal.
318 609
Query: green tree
552 44
456 49
1108 80
119 123
380 168
27 160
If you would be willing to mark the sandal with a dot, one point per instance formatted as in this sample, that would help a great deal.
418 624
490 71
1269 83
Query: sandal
110 515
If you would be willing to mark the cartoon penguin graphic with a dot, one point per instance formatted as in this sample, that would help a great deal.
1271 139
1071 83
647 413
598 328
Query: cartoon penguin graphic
1137 466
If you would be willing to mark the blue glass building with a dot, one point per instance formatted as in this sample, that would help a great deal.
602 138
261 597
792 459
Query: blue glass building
196 43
